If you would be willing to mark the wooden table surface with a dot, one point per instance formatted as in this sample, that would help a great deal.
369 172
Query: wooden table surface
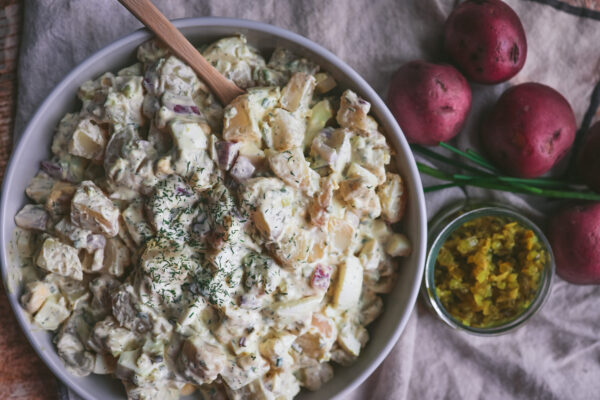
22 373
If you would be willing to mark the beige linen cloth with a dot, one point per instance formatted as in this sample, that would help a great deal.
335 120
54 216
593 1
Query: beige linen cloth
554 356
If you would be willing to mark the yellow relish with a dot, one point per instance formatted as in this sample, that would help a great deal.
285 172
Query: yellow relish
489 271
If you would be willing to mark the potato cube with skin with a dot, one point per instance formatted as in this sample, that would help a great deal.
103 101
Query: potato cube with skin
333 146
319 115
261 100
138 227
104 364
127 364
348 341
64 131
32 217
52 314
294 245
35 295
253 152
124 105
191 143
92 210
324 82
353 112
296 95
40 187
392 195
238 124
60 258
349 284
341 234
398 245
356 171
299 308
272 211
88 140
59 200
116 257
242 169
290 166
360 195
371 255
287 130
275 349
226 153
200 361
248 369
91 262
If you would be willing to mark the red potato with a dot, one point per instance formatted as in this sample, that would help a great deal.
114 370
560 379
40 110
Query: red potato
529 130
486 40
430 101
588 159
574 234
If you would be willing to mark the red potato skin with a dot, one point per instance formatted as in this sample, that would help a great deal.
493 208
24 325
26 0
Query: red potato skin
574 235
430 101
486 40
529 130
588 159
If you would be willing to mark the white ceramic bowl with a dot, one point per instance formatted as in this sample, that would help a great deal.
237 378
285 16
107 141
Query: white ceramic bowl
34 147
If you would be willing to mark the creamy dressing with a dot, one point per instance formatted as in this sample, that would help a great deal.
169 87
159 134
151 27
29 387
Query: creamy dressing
236 251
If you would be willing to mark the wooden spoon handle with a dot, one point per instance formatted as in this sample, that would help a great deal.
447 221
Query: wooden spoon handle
149 15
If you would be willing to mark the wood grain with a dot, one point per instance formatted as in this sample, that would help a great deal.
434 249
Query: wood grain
149 15
23 375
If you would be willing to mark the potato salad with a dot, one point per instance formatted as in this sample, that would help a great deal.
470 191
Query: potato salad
238 251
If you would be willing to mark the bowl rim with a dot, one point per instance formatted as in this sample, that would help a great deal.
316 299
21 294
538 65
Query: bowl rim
444 225
419 238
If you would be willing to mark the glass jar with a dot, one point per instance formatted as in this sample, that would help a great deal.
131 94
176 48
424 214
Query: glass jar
443 225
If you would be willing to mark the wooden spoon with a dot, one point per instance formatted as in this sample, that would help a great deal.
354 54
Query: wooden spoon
149 15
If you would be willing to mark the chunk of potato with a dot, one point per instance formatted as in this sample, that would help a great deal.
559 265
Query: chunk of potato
191 143
116 257
92 210
392 195
296 95
138 227
59 200
353 112
324 82
60 258
398 245
299 307
32 217
287 130
88 140
333 147
341 234
239 125
349 342
290 166
35 295
361 196
319 115
64 131
52 314
40 187
349 284
123 103
200 361
371 254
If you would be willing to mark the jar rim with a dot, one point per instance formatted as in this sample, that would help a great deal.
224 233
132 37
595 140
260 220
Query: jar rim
443 225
